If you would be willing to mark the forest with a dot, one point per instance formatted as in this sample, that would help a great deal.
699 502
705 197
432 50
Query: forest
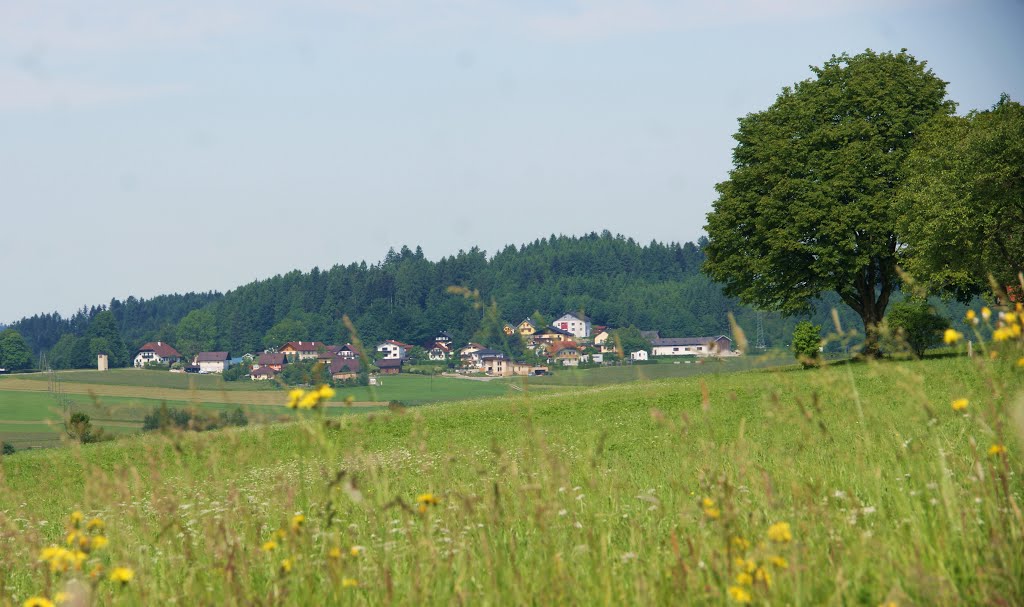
613 279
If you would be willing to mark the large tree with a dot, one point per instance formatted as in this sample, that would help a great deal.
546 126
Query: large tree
963 201
14 352
809 204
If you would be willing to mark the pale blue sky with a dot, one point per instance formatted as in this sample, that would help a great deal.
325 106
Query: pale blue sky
153 147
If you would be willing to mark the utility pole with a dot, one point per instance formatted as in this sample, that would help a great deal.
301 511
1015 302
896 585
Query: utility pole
759 342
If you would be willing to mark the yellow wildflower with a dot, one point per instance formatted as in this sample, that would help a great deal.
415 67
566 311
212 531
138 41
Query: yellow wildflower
121 574
310 400
286 566
326 392
297 521
744 579
740 543
38 601
269 546
1001 334
740 595
1020 362
747 565
99 542
334 553
710 510
76 519
960 404
986 313
762 575
280 534
95 525
350 399
780 533
997 449
349 582
778 562
73 538
1010 317
426 499
294 397
356 550
951 336
971 316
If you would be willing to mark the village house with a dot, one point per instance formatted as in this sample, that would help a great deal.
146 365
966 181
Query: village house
392 349
578 325
440 351
444 337
527 327
302 350
603 341
549 335
270 360
156 352
212 362
344 368
565 352
390 366
492 362
718 345
509 330
262 374
347 351
638 355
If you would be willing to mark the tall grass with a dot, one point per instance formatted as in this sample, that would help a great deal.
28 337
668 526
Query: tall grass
661 492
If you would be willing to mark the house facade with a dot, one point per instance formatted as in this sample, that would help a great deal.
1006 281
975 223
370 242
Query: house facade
566 353
389 366
393 350
578 325
156 352
639 355
439 352
717 345
262 374
212 362
302 350
527 327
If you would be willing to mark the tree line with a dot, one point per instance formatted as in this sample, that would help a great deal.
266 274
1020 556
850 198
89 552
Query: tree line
615 280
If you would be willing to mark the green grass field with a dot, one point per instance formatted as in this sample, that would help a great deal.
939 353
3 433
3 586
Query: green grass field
664 368
145 378
660 492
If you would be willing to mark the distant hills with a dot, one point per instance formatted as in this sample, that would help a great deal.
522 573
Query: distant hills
613 279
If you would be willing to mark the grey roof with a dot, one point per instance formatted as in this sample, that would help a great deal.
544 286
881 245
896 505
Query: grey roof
271 358
265 371
389 363
582 317
687 341
212 357
553 329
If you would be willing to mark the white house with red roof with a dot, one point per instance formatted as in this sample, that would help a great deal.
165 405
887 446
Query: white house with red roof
392 349
156 352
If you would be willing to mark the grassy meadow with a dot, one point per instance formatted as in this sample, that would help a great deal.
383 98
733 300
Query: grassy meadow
854 484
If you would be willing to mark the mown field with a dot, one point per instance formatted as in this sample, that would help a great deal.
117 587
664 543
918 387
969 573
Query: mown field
31 415
856 484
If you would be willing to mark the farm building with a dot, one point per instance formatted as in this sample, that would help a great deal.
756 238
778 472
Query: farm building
718 345
156 352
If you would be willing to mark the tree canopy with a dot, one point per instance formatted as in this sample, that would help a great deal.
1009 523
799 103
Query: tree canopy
963 201
14 352
809 204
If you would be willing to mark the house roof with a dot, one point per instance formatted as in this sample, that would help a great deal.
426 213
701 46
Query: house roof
445 334
160 349
270 358
488 353
687 341
212 357
263 372
527 321
440 346
598 329
305 346
394 342
345 365
389 363
558 346
582 317
555 330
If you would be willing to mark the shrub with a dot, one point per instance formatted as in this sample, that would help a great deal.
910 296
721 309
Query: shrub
917 324
807 343
198 421
8 449
79 427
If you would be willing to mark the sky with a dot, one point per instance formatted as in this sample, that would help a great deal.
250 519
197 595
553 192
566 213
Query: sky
158 147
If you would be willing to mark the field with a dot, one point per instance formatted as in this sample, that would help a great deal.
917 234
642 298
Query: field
852 484
118 400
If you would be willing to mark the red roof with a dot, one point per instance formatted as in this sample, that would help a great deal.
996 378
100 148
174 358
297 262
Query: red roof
305 346
558 346
160 349
397 343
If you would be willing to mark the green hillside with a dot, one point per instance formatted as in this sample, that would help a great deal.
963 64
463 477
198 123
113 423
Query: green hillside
659 492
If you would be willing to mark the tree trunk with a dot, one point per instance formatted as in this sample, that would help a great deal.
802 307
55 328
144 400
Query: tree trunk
869 302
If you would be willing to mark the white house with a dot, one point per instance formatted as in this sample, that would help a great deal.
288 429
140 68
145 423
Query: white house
392 349
579 325
156 352
212 362
638 355
718 345
440 351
